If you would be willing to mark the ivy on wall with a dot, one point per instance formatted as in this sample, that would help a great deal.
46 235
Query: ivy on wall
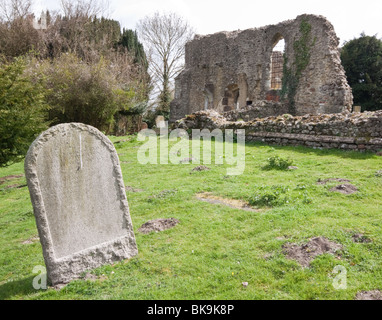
291 75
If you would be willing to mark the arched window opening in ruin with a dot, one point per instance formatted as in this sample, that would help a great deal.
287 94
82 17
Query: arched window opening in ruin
277 62
231 97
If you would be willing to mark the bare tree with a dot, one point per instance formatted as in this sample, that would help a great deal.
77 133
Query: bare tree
164 37
15 9
74 28
84 8
17 35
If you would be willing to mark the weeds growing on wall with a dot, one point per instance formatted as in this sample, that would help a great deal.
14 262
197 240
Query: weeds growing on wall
291 75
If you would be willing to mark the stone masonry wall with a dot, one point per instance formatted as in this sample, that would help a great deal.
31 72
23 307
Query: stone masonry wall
348 131
261 109
226 70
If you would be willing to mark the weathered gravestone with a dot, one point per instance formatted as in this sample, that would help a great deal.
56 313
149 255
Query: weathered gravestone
79 200
160 122
357 108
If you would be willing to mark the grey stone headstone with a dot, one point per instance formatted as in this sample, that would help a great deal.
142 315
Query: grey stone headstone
357 108
160 122
79 201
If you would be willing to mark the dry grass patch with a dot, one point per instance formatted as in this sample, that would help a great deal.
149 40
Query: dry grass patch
232 203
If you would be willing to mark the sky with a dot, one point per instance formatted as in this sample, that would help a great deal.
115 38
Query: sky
349 17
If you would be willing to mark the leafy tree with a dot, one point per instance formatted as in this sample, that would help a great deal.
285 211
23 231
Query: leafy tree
362 61
129 40
22 110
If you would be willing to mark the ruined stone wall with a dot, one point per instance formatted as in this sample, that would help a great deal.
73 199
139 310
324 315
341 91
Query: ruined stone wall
261 109
352 131
225 70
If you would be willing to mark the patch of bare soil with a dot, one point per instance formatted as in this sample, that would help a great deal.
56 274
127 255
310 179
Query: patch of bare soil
345 189
187 160
232 203
332 179
305 253
92 277
201 168
7 178
121 141
132 189
31 240
158 225
360 238
16 186
369 295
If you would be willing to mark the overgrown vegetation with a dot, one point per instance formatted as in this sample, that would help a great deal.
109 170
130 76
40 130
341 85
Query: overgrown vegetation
279 195
81 92
291 75
272 196
76 62
278 163
22 110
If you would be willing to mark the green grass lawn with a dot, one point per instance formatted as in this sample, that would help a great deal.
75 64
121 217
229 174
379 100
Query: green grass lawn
216 248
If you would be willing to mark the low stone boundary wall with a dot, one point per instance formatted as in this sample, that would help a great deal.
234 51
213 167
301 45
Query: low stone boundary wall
325 142
350 131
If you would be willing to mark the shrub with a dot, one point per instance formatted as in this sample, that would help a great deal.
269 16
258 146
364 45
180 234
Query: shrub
278 163
89 93
270 196
279 195
22 110
81 92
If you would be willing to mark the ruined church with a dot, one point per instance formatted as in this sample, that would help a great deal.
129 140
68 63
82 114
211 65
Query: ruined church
240 70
